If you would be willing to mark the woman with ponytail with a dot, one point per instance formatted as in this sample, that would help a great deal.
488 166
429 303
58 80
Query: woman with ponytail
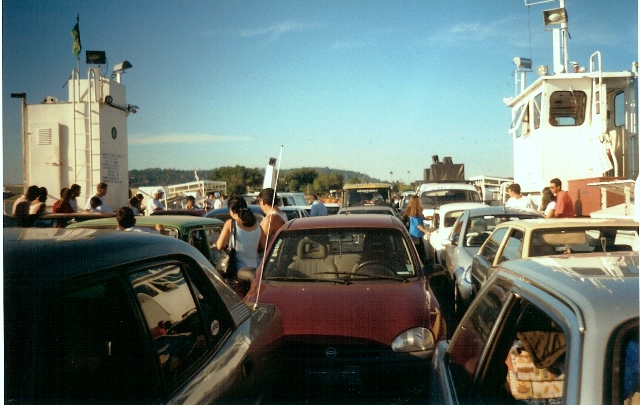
242 233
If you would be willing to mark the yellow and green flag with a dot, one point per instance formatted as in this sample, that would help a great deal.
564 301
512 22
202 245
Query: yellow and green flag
75 34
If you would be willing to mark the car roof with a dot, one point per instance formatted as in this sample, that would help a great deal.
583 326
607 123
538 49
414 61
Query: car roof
592 280
562 223
176 221
365 209
446 186
366 186
459 206
500 210
345 221
225 210
196 212
48 255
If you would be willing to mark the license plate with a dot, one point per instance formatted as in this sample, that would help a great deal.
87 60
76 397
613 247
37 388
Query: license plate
349 375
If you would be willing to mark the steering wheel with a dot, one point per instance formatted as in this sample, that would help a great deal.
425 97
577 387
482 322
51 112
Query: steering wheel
374 268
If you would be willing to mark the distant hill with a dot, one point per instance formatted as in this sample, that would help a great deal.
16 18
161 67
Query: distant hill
157 176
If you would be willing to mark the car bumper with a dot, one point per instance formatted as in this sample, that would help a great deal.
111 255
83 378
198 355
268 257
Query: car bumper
348 364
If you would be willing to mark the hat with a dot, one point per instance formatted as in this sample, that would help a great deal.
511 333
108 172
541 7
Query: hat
216 194
157 191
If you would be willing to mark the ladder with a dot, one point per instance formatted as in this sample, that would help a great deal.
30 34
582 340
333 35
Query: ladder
86 133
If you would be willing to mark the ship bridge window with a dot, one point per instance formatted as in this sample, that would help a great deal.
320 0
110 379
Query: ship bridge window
619 109
567 108
520 123
537 105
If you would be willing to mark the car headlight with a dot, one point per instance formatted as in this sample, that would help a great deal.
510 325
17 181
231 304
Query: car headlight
413 340
466 276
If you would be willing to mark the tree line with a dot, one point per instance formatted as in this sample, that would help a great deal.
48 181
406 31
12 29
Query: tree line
242 180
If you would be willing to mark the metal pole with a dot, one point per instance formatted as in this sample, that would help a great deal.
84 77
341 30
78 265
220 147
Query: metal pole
25 141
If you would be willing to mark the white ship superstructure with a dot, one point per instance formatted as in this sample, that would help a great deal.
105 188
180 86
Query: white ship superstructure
83 140
577 123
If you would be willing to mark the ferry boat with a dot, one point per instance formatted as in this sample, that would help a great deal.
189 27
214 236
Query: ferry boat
576 123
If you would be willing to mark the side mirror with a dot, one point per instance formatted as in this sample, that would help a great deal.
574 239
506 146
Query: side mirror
247 274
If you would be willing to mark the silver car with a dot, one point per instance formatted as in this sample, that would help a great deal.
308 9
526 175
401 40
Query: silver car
556 329
463 242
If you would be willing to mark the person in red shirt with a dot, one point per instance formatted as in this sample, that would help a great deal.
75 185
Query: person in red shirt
564 205
63 205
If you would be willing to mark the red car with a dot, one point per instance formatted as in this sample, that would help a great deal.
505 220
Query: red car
354 297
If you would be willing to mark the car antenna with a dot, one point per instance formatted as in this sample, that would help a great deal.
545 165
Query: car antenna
266 242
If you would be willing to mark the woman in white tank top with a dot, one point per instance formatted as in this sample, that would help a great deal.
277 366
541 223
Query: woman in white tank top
243 233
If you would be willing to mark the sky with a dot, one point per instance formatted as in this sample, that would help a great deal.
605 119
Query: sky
373 86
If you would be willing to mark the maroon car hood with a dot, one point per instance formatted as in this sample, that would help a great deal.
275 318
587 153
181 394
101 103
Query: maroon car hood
375 311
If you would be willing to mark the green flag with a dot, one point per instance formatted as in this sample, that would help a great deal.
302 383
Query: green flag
75 34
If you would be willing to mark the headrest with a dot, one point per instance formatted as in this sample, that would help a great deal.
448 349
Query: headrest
375 244
308 249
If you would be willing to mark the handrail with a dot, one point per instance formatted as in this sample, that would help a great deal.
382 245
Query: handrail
75 78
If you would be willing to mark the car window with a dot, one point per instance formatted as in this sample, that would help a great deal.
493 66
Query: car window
625 363
457 228
490 248
532 344
92 346
213 233
436 198
513 248
583 240
471 336
331 254
450 218
183 331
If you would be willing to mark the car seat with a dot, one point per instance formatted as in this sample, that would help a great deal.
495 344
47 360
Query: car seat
377 257
311 261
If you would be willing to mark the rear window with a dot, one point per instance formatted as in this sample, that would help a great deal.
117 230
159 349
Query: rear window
368 196
583 240
436 198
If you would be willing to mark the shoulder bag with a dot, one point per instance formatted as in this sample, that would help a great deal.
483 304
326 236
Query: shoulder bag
226 264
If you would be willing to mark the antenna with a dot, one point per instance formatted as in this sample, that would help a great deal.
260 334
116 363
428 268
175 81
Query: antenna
266 242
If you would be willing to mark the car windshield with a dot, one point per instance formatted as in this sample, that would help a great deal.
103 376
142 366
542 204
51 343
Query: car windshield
583 240
343 255
479 228
368 196
436 198
299 199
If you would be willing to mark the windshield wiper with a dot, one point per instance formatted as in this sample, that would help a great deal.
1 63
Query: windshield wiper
379 277
310 279
368 276
285 278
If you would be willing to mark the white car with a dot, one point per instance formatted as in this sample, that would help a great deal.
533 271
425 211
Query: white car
443 219
434 195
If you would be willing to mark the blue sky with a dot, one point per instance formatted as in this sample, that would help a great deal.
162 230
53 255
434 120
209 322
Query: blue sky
375 86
